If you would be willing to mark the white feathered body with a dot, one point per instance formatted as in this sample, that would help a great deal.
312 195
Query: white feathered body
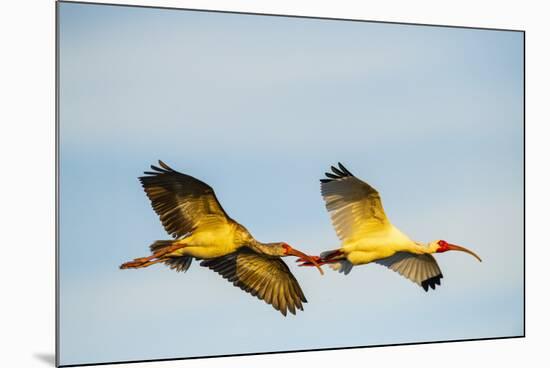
378 245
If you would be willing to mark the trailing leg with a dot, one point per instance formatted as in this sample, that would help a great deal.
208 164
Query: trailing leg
161 250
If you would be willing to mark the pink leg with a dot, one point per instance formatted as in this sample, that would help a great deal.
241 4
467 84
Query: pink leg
152 259
135 264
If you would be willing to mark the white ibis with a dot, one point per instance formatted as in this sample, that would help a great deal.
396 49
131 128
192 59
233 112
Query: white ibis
191 213
368 236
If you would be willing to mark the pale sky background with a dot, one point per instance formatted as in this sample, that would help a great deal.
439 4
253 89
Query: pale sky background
259 107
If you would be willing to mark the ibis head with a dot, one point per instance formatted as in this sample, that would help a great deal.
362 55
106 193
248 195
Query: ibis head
441 246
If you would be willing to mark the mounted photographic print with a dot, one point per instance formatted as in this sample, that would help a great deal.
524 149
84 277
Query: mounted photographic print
233 183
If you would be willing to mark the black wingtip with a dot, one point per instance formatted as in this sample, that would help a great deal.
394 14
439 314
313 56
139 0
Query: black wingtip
156 170
164 166
336 171
343 168
339 172
431 282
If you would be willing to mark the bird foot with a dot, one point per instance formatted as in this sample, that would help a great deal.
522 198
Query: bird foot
143 259
132 264
305 262
141 263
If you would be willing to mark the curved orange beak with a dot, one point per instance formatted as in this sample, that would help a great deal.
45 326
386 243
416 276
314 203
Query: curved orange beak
462 249
297 253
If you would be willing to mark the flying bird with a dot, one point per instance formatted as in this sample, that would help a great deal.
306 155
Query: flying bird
191 213
367 234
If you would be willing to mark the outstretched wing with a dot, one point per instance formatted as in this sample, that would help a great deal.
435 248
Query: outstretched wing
267 278
182 202
421 269
354 206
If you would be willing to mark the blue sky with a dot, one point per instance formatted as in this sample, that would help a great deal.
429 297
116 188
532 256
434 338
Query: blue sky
259 107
